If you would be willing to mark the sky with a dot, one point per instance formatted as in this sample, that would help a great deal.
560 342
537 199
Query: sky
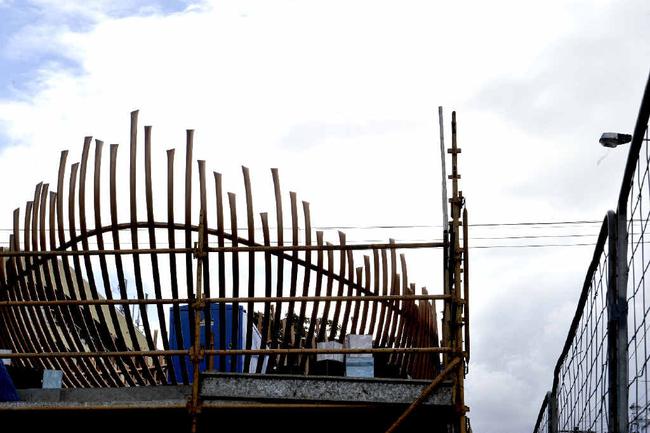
342 97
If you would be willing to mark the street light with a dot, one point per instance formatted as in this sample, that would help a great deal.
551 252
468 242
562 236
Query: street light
613 139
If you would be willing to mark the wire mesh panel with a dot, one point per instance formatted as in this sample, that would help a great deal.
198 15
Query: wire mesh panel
579 398
582 387
638 216
541 426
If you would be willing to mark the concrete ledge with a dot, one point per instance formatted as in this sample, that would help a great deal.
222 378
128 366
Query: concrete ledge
257 387
99 395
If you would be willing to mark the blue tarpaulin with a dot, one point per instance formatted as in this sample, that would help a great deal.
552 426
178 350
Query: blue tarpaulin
7 388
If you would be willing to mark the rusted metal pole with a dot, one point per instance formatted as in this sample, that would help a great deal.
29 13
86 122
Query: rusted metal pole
270 248
457 203
154 301
425 393
227 352
466 281
197 352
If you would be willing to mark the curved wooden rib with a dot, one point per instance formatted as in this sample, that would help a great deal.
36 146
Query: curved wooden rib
154 257
108 292
221 268
266 328
322 327
71 334
95 338
47 336
348 304
337 306
394 290
121 281
280 267
403 314
386 313
173 273
189 265
144 309
55 315
288 333
377 305
11 333
317 292
251 265
208 341
366 304
99 312
232 201
302 336
73 290
21 314
357 304
25 283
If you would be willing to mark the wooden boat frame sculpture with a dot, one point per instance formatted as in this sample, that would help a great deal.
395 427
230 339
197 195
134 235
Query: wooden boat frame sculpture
59 310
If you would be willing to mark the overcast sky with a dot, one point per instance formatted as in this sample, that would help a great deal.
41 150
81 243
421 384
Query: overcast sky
342 97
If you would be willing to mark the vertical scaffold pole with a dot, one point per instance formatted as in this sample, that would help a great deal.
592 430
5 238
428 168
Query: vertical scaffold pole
197 352
456 334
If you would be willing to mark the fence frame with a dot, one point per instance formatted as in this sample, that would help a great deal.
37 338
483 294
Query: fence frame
615 229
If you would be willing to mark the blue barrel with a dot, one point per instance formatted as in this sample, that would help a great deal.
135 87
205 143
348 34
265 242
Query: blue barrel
188 338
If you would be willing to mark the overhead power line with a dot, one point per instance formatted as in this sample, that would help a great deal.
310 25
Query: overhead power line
411 226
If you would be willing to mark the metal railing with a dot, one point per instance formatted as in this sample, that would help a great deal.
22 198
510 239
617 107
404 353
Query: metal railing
601 378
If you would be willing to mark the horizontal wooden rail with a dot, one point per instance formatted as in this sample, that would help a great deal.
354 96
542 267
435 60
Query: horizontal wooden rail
154 301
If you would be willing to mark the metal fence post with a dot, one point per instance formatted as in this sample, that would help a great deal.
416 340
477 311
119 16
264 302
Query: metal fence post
617 322
551 406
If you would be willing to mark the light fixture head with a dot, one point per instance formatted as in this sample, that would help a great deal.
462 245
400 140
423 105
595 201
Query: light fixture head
613 139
